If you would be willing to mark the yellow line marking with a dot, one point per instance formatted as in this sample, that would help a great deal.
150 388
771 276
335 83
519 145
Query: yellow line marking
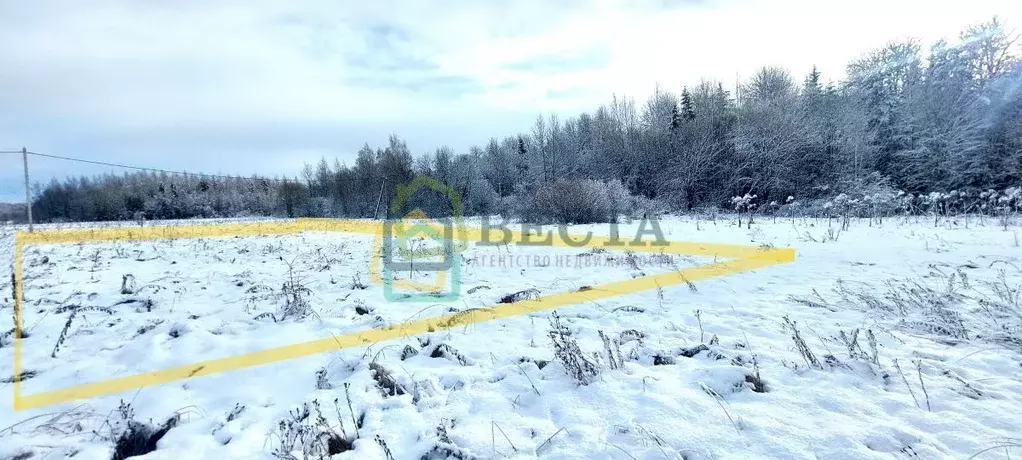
742 258
18 291
91 235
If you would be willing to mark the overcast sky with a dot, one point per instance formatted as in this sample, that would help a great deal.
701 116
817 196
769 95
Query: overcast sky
261 86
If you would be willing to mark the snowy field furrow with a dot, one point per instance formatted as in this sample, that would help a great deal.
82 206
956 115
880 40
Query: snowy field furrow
893 340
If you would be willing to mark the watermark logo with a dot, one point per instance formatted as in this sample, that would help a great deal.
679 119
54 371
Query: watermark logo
417 246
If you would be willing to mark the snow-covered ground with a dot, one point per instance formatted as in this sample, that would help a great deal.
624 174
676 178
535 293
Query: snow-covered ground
908 345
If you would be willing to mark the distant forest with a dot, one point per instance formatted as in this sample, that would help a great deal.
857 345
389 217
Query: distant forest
905 121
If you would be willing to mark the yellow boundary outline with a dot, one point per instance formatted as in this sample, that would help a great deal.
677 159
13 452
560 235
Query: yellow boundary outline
741 258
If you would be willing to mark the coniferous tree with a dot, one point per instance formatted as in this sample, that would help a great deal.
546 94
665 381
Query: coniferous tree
687 111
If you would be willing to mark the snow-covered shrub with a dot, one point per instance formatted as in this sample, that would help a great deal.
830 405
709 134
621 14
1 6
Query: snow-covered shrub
648 207
318 207
952 306
305 431
569 201
776 209
577 201
1011 198
940 204
1004 310
619 199
987 201
800 344
878 200
855 350
872 196
295 296
481 199
933 201
511 205
843 207
568 353
744 204
134 438
790 208
1008 202
883 202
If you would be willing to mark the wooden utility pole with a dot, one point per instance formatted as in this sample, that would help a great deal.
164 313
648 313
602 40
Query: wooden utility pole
28 195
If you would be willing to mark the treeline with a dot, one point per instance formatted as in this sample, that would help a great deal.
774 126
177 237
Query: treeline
945 118
12 213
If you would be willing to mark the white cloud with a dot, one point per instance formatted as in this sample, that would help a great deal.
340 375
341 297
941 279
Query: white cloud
193 62
146 78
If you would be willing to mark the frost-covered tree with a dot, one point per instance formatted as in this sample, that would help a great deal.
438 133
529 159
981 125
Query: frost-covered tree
921 119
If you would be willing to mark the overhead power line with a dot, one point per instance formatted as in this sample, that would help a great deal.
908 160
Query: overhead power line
142 168
28 198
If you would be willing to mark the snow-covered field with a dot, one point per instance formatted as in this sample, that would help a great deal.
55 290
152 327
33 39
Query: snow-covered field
900 340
